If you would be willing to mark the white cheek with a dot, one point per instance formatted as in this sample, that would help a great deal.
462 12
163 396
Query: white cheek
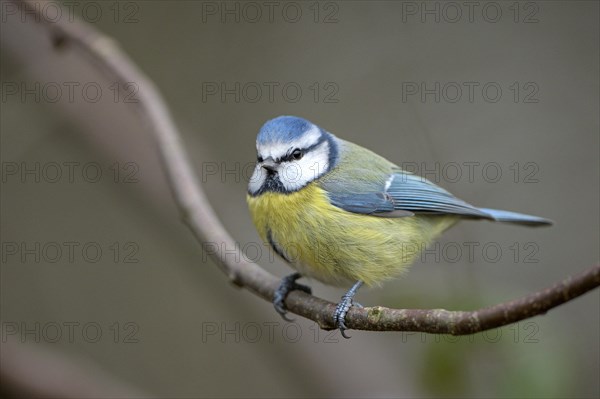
297 174
257 179
317 162
292 175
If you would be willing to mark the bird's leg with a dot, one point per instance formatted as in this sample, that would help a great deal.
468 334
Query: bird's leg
342 308
287 285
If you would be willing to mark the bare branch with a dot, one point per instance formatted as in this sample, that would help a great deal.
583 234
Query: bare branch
201 219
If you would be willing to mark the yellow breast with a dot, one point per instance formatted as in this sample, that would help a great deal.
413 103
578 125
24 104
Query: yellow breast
335 246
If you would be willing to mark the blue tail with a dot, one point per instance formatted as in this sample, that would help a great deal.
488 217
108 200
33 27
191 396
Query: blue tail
518 218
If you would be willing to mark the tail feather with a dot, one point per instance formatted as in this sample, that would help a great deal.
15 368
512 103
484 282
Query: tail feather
518 218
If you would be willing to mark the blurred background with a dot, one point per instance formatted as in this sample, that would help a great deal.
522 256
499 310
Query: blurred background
495 101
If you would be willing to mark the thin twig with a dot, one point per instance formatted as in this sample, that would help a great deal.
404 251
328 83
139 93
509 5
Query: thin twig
202 220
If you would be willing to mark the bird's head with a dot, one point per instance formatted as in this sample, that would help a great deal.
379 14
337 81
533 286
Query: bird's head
291 152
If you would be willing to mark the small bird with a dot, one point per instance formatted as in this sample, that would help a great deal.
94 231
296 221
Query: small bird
344 215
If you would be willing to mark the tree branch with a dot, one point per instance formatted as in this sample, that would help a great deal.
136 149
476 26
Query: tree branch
205 225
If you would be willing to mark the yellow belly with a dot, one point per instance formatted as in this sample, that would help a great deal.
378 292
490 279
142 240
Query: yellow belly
339 247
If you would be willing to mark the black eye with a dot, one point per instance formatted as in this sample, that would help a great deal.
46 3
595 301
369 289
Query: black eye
297 154
259 158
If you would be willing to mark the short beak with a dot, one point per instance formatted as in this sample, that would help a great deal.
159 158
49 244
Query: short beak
269 164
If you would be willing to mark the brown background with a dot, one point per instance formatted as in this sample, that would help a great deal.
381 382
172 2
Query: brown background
368 51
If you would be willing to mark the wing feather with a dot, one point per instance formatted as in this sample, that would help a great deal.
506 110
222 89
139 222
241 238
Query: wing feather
406 194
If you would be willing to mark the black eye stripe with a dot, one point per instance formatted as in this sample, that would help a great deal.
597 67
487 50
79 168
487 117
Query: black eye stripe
294 154
289 156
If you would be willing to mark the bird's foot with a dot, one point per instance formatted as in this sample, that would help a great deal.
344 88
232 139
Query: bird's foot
339 316
288 284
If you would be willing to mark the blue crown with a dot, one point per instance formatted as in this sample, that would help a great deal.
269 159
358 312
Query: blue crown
283 129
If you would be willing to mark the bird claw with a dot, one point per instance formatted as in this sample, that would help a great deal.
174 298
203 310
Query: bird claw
288 284
339 316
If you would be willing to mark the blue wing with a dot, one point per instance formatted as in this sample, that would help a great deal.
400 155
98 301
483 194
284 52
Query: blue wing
385 190
377 204
514 217
404 194
419 195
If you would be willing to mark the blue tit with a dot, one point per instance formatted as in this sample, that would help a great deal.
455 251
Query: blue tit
344 215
